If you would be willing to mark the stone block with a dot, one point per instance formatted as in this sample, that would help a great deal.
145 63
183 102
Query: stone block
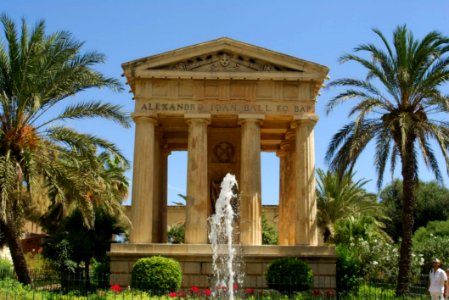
206 268
192 268
261 282
250 281
120 267
201 281
186 281
333 282
315 268
253 268
327 269
321 282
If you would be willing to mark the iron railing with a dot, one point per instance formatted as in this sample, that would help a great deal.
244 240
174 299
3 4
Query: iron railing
73 287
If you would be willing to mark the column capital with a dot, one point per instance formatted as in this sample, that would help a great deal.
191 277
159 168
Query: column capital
306 119
138 117
281 153
197 118
251 118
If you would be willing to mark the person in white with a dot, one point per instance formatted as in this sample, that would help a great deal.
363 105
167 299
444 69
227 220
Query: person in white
437 281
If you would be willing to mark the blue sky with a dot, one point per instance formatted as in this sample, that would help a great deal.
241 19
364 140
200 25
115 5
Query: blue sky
318 31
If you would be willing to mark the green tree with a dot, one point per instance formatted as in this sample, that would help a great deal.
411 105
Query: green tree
107 187
432 241
269 231
38 151
85 243
364 227
341 198
399 107
430 198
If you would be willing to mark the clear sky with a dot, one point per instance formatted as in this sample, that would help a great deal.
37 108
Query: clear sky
317 31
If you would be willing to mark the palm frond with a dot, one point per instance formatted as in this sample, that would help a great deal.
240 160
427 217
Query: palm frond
92 110
85 144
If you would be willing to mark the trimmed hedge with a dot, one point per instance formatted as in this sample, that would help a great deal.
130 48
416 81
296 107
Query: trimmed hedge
156 274
289 275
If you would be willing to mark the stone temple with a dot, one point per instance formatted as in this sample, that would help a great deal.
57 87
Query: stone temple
224 102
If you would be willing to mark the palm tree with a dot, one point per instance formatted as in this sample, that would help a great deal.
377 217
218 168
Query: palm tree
341 198
38 152
400 107
103 183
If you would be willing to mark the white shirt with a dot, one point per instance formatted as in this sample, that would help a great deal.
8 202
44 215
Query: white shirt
437 279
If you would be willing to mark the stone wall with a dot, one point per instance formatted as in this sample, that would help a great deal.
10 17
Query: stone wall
197 267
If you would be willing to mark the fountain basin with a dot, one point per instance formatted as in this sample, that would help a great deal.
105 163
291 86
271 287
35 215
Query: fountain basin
196 262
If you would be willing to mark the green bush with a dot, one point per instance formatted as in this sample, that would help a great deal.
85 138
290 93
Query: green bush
6 270
101 273
156 274
289 275
349 272
430 242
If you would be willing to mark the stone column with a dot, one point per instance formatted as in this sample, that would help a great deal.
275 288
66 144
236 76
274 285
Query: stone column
287 202
250 181
307 231
143 173
164 174
283 221
157 197
197 186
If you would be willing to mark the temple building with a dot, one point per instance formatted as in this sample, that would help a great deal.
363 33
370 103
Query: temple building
224 102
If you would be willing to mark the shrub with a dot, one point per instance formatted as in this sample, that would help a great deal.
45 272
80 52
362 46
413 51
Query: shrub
101 272
156 274
432 241
5 269
349 272
40 266
289 275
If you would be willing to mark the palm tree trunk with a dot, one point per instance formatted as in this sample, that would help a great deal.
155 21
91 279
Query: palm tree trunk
15 247
409 185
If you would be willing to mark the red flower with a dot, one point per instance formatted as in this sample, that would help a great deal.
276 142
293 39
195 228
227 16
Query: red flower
172 295
236 286
249 291
207 292
331 293
181 294
316 293
116 288
194 289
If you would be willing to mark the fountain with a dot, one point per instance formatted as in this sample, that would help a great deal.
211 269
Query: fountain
225 261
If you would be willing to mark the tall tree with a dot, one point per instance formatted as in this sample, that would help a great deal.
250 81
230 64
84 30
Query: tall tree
85 243
430 198
38 152
341 198
398 106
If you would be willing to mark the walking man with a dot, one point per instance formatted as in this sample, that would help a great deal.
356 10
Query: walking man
437 281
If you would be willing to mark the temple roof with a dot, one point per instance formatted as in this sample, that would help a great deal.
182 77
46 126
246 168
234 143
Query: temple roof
224 58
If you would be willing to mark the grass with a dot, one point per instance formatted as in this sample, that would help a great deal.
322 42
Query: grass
12 290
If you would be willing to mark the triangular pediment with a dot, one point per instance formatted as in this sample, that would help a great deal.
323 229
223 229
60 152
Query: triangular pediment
223 55
224 61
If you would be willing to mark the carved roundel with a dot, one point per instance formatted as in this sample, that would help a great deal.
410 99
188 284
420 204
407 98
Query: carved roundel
224 152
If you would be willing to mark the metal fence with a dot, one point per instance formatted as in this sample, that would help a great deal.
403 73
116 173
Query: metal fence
72 287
